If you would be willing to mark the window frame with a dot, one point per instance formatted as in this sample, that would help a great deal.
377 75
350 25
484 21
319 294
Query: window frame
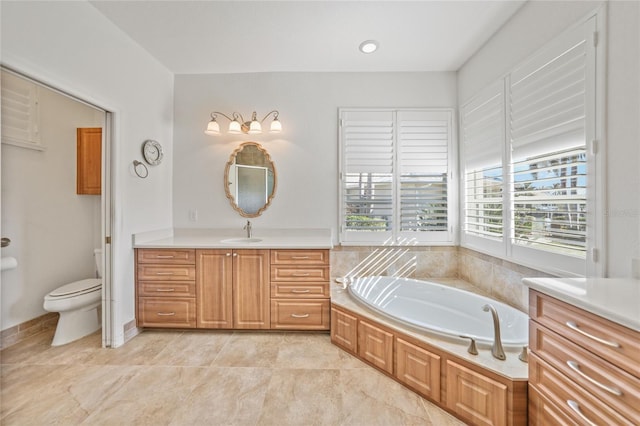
396 236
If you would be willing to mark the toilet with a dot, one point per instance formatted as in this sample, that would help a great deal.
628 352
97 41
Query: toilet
77 303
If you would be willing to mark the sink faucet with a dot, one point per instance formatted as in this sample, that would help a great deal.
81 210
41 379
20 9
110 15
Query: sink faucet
496 350
248 228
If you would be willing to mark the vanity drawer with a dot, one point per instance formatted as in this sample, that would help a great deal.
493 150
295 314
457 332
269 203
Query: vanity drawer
300 315
167 289
300 291
300 257
598 377
299 273
170 313
613 342
166 272
543 412
166 256
572 399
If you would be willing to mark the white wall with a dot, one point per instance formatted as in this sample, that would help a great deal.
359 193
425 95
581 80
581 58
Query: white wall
305 154
529 29
70 45
53 230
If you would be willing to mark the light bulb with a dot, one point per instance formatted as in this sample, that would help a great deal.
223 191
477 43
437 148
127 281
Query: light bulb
255 127
234 127
276 126
213 128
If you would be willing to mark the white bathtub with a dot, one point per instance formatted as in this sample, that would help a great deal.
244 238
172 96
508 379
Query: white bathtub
442 310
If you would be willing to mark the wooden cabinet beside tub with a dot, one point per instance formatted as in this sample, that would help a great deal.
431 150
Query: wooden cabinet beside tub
583 368
300 289
233 289
471 393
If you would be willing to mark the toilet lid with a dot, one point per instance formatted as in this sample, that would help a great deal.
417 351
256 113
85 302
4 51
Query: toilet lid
82 286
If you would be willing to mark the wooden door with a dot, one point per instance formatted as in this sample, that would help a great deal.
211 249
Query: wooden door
214 288
251 299
89 161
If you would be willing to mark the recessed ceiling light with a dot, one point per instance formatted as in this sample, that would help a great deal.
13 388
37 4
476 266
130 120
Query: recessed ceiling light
368 46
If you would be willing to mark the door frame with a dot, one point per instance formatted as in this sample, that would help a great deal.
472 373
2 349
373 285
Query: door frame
107 201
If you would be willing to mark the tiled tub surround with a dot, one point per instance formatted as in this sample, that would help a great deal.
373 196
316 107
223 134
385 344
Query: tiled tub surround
490 276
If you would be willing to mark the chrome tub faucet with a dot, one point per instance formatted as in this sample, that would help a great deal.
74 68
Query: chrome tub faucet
496 350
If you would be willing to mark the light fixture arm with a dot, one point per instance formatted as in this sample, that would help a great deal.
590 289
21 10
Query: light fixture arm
214 115
274 112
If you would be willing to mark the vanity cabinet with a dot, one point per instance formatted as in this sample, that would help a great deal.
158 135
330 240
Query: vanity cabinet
165 288
582 367
474 394
253 289
233 289
300 290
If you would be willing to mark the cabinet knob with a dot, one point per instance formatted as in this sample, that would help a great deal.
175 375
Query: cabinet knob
228 254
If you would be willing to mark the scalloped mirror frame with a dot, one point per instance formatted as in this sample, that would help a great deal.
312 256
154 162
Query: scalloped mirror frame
231 162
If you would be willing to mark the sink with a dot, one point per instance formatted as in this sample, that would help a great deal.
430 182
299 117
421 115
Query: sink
241 240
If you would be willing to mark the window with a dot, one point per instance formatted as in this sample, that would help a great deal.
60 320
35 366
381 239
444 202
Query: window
529 170
20 112
482 140
395 180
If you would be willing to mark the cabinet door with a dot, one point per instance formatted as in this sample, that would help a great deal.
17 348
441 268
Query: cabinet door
475 397
418 368
375 346
344 330
214 288
89 161
251 301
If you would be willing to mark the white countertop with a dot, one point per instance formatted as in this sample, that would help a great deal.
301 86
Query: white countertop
235 238
616 299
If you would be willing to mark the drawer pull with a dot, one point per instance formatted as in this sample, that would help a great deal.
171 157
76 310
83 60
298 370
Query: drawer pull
300 316
576 367
299 257
572 325
167 290
163 256
300 291
165 314
300 275
576 409
164 273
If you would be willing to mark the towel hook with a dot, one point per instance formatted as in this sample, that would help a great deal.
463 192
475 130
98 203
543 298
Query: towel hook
137 163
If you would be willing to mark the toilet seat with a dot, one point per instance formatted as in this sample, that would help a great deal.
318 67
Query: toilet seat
75 288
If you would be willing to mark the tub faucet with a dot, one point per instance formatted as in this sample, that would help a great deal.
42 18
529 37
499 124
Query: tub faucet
248 228
496 350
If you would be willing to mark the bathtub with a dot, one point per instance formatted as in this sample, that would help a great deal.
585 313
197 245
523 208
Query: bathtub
441 310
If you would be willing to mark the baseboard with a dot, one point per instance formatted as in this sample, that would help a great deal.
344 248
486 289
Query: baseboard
130 330
18 333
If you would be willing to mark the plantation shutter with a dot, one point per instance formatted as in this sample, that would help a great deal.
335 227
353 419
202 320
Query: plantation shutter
20 112
482 141
423 162
394 175
548 147
367 176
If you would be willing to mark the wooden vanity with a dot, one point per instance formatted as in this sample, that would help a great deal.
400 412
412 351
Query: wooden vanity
584 366
254 289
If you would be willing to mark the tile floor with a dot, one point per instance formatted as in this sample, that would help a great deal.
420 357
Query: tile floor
202 378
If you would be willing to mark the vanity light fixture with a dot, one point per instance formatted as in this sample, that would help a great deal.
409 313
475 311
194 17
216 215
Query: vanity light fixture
368 46
238 125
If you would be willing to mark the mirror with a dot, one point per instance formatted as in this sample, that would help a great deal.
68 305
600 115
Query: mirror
250 179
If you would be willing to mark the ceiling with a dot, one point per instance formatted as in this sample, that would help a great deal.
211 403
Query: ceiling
203 37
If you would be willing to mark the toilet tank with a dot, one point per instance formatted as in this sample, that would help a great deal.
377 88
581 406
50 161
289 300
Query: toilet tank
97 254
